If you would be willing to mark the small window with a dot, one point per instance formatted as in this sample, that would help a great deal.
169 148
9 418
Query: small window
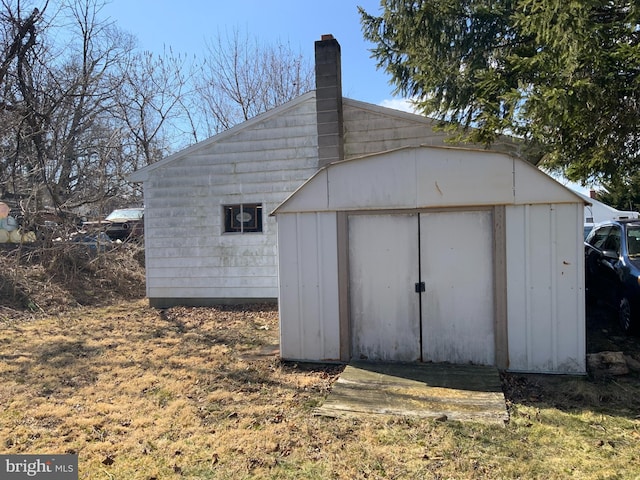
243 218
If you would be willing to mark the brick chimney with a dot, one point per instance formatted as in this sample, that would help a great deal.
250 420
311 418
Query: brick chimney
329 101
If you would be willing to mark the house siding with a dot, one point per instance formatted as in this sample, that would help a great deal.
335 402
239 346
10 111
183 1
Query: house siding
189 257
371 130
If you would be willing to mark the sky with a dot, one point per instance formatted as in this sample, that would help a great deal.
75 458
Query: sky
186 25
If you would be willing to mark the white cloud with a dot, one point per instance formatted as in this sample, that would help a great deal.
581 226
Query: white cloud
402 104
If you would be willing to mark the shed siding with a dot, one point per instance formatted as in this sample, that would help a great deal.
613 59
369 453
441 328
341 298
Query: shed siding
541 250
532 185
545 293
308 270
188 254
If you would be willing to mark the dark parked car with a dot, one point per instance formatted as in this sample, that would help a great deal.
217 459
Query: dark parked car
122 224
612 263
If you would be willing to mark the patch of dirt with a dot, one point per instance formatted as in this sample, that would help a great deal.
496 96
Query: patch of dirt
604 333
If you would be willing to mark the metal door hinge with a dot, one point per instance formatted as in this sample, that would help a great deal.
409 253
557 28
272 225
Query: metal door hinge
420 287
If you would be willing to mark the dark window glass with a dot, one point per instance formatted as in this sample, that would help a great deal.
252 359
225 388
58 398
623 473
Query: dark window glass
613 241
633 241
598 236
243 218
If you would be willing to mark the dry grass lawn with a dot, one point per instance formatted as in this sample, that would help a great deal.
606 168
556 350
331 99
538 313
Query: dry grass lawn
194 393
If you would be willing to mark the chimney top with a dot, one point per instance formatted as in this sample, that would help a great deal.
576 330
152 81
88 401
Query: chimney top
329 101
326 36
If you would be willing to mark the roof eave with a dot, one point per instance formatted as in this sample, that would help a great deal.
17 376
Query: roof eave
142 174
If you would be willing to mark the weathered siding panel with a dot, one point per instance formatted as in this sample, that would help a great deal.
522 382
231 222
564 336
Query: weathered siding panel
456 177
532 185
166 296
373 129
545 288
369 131
456 264
376 186
188 254
309 287
417 178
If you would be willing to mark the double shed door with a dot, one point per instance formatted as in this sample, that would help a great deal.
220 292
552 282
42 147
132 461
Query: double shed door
421 287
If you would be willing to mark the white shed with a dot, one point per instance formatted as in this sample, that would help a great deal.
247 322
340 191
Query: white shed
433 254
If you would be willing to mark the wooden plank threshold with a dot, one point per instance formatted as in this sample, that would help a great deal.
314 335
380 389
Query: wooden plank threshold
438 391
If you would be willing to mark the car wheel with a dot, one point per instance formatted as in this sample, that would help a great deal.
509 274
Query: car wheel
624 315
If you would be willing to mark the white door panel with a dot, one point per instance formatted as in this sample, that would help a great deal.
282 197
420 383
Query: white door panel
383 269
452 253
457 268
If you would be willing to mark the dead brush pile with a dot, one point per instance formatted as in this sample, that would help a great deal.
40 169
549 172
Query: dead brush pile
52 278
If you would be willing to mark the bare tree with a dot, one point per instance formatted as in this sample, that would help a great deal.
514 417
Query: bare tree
60 101
149 104
18 33
25 102
80 108
85 97
241 78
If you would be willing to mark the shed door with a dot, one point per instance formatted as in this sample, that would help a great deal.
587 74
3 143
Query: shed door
456 263
383 267
451 253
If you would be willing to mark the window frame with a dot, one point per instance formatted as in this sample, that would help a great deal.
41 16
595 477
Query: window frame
233 225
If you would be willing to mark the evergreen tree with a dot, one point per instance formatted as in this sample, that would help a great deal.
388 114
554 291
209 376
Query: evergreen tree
563 75
622 193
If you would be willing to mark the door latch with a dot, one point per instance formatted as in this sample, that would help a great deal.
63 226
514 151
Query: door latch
420 287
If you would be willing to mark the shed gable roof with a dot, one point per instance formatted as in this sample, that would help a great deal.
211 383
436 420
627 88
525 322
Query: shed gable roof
426 177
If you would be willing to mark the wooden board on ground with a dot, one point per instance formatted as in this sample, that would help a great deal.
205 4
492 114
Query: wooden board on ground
439 391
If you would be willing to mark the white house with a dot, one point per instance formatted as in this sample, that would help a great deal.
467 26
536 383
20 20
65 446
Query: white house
433 254
596 211
208 236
